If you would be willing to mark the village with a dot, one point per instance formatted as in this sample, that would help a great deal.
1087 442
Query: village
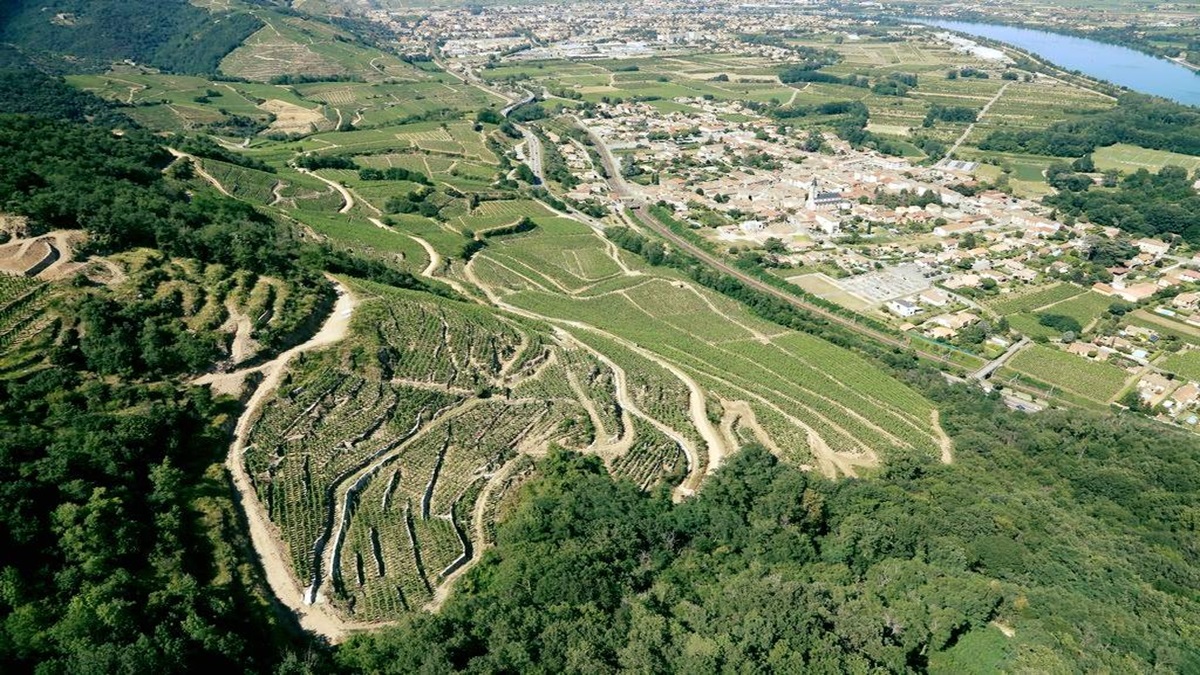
933 250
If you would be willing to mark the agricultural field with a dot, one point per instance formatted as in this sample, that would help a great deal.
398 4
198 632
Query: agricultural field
289 45
256 187
1186 333
1185 364
1027 324
492 214
185 103
356 234
23 302
822 286
1033 298
382 103
1036 104
685 75
1130 158
1084 308
1059 299
1094 381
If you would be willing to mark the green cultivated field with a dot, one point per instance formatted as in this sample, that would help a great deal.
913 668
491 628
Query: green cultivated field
1096 382
1130 158
1184 332
1033 298
1186 364
1084 308
295 45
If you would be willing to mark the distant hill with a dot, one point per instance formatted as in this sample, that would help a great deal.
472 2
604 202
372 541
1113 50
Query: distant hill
83 35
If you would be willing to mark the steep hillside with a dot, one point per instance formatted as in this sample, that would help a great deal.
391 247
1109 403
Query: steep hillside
73 35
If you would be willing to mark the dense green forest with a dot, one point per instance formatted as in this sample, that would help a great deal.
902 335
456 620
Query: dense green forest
1142 203
124 551
170 34
39 95
79 176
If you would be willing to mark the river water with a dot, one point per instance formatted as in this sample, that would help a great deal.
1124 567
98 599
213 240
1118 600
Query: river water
1119 65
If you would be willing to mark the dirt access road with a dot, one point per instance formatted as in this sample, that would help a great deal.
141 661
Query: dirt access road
316 618
200 170
347 198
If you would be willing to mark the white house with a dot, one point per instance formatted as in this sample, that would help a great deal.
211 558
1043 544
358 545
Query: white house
903 308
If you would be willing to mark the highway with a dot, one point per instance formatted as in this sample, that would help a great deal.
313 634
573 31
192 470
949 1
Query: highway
533 152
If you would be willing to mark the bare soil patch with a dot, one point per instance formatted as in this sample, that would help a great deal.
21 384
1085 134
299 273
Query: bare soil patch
293 119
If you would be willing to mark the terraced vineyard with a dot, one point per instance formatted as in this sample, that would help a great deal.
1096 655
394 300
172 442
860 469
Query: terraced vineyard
258 187
814 402
378 461
291 45
22 318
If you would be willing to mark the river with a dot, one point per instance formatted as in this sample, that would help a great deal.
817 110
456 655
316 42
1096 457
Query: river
1119 65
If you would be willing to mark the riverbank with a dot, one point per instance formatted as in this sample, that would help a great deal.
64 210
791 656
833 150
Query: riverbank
1118 65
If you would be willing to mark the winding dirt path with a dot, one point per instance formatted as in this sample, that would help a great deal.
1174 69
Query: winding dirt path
697 408
602 448
277 192
289 591
478 530
347 198
741 412
200 170
435 258
435 264
829 460
944 442
617 444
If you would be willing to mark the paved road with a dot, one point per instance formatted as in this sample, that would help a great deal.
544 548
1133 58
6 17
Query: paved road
533 152
515 104
1009 400
986 371
978 117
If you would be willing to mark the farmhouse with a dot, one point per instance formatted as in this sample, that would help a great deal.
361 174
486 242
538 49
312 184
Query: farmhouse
1188 301
1134 293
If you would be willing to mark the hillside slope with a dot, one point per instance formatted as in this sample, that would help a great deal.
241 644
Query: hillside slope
74 35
